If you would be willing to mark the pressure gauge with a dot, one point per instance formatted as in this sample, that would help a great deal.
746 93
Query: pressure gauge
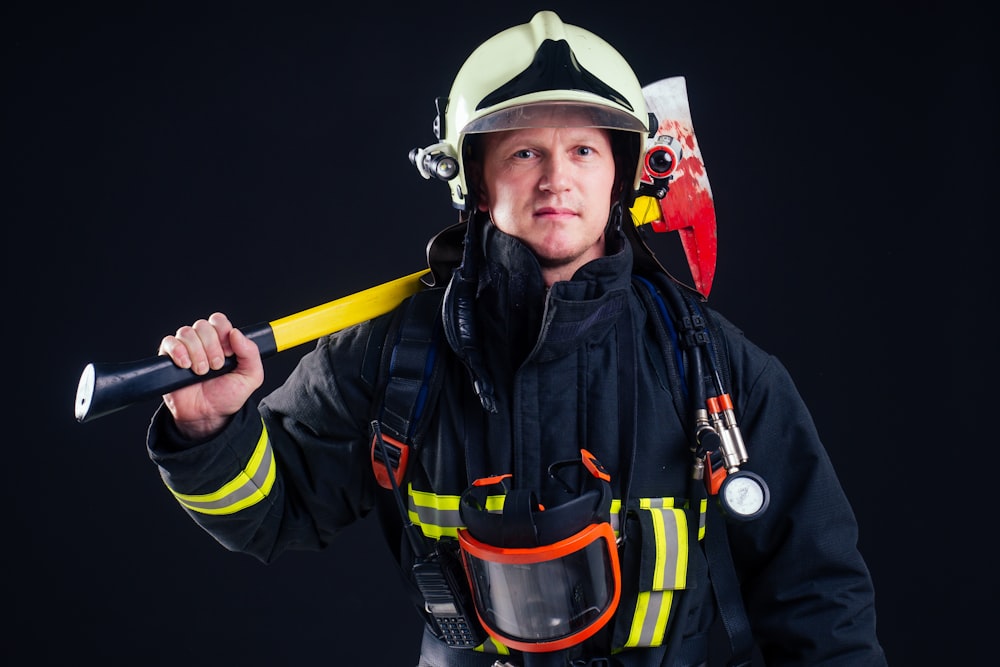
744 495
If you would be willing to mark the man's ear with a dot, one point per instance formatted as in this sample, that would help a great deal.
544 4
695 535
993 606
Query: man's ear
474 179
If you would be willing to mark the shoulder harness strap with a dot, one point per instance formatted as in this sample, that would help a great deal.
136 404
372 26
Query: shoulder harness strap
406 380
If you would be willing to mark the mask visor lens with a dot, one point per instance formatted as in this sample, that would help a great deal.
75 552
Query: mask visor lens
545 598
561 114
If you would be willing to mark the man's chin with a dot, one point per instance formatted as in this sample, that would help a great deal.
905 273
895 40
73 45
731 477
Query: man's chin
554 261
558 258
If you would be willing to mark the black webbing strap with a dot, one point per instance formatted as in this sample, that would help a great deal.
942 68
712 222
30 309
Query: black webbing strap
722 572
726 587
411 363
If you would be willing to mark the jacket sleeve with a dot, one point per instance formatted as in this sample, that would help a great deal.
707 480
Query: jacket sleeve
808 591
291 472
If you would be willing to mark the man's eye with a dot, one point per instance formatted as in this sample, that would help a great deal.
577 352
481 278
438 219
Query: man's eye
584 150
524 153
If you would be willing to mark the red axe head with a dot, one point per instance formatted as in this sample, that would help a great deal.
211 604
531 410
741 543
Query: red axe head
687 207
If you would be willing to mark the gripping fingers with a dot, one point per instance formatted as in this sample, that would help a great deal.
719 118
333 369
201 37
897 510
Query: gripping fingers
201 346
172 347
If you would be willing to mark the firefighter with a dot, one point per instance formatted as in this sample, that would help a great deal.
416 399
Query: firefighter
552 442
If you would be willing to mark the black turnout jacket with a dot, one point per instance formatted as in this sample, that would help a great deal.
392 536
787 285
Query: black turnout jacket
575 366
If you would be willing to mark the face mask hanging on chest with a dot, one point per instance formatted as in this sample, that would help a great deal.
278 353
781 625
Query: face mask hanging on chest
544 576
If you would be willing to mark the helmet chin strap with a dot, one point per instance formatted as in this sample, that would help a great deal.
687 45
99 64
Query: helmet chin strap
459 305
614 231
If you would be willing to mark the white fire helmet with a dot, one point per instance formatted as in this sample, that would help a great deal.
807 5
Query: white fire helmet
532 75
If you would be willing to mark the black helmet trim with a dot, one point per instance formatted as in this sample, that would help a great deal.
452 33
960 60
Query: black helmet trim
554 67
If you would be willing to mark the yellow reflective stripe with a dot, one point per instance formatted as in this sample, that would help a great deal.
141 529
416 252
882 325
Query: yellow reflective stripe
616 508
668 561
666 600
641 605
649 605
433 500
670 502
680 564
701 518
652 609
661 548
249 487
436 515
655 606
493 647
495 503
671 559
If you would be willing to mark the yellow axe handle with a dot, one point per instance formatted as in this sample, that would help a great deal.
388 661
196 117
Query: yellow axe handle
108 387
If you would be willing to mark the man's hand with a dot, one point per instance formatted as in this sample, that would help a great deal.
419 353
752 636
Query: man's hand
203 409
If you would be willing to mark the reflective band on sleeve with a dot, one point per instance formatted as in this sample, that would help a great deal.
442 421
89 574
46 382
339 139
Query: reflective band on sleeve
249 487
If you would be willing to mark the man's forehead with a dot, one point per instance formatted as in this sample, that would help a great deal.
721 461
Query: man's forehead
564 133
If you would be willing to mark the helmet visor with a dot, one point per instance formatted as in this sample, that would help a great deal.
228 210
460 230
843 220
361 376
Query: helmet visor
545 598
554 114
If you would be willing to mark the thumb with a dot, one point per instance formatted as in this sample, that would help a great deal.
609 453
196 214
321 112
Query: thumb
248 360
243 347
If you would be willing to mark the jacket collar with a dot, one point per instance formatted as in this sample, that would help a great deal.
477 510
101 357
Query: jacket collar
513 307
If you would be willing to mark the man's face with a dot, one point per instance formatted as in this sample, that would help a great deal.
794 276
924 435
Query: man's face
551 188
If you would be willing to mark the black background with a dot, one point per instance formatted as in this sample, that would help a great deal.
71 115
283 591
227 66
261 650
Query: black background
166 160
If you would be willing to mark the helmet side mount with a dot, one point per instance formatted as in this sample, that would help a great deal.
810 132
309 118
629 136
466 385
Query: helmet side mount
441 105
659 163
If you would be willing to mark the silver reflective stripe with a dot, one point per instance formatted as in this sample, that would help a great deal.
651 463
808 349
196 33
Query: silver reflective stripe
671 548
670 544
249 487
655 608
702 508
436 515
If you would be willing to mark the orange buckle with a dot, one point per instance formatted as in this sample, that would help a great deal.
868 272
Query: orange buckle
398 453
714 477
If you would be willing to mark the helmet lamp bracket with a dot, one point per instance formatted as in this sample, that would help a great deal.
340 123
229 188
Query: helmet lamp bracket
435 161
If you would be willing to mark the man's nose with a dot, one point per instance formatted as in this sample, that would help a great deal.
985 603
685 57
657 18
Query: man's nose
555 174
